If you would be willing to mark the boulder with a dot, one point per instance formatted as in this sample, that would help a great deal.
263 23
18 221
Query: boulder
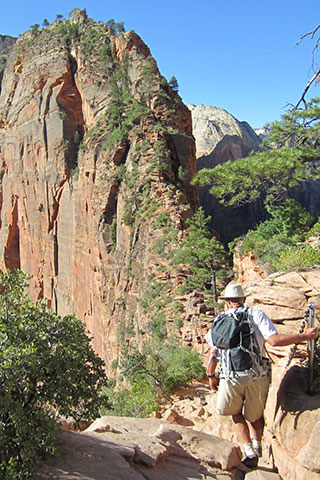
118 447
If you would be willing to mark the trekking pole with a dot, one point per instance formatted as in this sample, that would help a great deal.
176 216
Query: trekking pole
311 345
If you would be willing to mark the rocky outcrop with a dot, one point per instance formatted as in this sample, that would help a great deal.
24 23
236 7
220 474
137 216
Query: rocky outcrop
118 448
93 144
5 43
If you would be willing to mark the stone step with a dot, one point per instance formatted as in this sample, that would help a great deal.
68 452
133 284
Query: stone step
262 473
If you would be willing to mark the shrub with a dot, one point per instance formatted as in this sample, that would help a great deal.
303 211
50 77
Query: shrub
297 258
272 238
165 365
47 369
138 401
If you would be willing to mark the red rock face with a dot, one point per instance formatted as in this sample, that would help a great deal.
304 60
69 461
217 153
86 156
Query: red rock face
63 205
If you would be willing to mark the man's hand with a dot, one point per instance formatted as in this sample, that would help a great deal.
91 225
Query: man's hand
213 383
311 333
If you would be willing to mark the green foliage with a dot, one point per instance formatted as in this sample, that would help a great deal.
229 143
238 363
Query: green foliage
47 368
271 238
201 251
74 173
173 82
138 401
124 111
291 154
165 365
160 156
89 44
293 258
116 27
162 219
315 230
35 29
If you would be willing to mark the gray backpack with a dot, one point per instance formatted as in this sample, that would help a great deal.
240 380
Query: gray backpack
233 334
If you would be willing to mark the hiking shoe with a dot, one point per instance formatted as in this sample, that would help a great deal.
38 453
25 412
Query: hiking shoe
250 462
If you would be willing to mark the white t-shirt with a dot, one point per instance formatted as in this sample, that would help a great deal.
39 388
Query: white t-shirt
263 327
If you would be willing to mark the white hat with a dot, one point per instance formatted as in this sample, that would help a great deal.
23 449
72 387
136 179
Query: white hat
234 290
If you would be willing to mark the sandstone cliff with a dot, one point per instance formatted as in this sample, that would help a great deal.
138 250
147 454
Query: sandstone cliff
94 148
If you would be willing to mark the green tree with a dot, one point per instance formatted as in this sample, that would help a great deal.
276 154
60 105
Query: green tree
173 82
165 365
45 23
35 29
116 27
202 252
47 369
287 226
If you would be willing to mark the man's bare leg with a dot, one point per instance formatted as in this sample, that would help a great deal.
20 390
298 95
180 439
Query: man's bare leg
242 432
257 428
241 429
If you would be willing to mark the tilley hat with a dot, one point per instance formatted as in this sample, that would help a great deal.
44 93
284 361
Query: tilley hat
233 290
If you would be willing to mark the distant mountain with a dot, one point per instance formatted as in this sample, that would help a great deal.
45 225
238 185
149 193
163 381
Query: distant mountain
221 137
211 126
261 133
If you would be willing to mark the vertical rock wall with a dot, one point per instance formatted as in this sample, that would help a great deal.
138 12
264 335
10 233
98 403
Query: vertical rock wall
74 208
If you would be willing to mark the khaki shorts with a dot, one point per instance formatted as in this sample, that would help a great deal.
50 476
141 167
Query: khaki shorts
243 394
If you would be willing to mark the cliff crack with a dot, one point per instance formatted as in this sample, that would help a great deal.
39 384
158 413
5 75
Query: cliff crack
53 210
12 248
70 104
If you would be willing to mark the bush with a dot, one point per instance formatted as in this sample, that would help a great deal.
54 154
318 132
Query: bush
297 258
164 365
280 234
47 369
139 401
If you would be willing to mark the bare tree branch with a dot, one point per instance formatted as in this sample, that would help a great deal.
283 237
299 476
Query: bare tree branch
316 75
302 98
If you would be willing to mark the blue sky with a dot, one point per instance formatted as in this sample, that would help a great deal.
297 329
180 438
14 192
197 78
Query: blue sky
240 56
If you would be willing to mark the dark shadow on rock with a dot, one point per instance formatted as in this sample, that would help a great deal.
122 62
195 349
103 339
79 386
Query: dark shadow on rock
292 396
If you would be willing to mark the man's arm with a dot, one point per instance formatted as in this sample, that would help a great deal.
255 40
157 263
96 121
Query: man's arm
281 339
211 368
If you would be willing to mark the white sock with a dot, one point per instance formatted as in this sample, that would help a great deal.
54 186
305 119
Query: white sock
248 450
256 443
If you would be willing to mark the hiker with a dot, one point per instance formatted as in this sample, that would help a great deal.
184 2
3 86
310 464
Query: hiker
243 390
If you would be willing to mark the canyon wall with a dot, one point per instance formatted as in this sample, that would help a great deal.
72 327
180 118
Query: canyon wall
93 147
